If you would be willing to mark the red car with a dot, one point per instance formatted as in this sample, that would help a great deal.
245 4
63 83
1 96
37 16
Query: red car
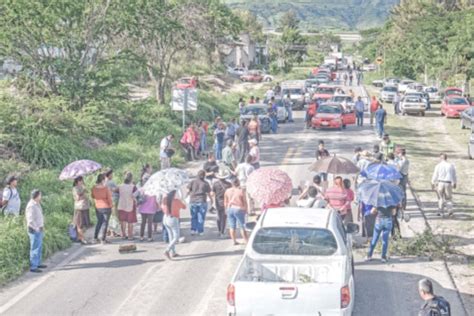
332 115
252 76
453 106
453 92
324 92
186 83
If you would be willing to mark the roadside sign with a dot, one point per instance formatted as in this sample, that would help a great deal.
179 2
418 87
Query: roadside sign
379 60
184 99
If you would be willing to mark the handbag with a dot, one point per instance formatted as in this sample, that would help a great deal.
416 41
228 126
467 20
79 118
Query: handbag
72 232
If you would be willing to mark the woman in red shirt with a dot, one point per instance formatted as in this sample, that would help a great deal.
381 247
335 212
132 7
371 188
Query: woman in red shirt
374 105
337 197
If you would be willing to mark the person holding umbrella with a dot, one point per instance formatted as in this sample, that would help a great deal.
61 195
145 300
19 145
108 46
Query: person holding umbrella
81 206
337 197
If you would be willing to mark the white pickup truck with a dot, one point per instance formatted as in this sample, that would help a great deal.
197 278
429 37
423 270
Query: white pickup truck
297 262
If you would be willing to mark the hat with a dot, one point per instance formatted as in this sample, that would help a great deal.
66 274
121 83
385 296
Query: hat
10 179
253 141
366 154
223 173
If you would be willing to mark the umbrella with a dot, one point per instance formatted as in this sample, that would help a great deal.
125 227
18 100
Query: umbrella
380 193
269 185
79 168
334 165
165 181
378 171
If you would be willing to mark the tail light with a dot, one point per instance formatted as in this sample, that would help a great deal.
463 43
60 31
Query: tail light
345 296
231 295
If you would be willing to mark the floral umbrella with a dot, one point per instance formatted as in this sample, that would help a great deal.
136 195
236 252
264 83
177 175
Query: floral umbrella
269 185
79 168
165 181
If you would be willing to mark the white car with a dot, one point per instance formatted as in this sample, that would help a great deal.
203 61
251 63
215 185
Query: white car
403 85
236 71
298 261
412 104
414 87
388 93
433 93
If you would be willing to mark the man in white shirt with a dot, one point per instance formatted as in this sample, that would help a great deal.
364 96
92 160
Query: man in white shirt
11 203
35 225
242 172
269 94
165 147
444 181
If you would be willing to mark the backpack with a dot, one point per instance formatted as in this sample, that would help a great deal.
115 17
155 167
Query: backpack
438 306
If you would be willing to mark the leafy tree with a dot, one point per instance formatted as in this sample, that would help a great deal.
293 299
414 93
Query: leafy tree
288 49
288 20
250 25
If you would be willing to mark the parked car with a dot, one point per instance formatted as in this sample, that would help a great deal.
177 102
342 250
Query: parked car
297 262
261 111
252 76
333 115
324 92
403 85
415 87
345 100
423 95
186 83
378 83
236 71
433 94
467 118
470 146
412 104
282 113
453 106
388 93
391 82
452 92
297 91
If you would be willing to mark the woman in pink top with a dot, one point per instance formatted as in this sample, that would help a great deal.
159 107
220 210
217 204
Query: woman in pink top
337 197
126 206
350 198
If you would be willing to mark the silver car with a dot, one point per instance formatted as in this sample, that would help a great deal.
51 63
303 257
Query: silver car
261 111
387 94
434 95
413 105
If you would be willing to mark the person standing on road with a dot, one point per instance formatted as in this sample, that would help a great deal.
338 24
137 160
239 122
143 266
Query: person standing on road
148 208
199 191
374 105
380 120
171 208
230 130
350 197
387 146
433 305
273 113
103 205
322 153
254 153
269 95
243 140
289 107
126 206
241 106
236 205
227 155
219 135
444 181
396 103
166 151
203 141
218 191
359 107
242 172
403 167
360 76
254 128
35 225
337 197
11 202
114 223
383 225
81 205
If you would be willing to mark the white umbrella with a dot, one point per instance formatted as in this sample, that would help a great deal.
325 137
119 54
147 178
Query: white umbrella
165 181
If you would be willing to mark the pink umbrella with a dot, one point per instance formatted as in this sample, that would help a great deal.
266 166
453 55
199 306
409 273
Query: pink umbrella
79 168
269 185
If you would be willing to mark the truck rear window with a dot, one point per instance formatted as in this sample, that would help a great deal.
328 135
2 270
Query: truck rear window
295 241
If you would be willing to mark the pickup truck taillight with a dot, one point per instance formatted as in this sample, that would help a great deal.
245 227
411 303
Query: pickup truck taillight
231 295
345 296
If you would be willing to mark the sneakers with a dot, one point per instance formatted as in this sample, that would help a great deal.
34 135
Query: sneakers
167 255
367 259
182 239
42 266
36 270
384 260
201 234
193 233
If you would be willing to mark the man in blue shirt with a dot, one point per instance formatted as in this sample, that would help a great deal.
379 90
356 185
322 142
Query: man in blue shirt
380 119
359 108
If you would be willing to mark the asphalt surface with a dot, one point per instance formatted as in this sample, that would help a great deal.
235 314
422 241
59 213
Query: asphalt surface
97 280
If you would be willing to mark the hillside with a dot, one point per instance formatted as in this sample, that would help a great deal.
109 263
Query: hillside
321 14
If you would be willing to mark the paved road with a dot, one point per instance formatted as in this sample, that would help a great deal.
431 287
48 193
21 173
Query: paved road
97 280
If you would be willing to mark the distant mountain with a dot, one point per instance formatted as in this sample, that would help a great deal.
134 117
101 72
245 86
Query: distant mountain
321 14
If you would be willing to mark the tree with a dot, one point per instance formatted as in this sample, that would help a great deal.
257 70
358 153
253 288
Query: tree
250 25
288 20
288 49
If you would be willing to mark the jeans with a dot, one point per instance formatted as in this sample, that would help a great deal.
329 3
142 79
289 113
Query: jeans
36 249
221 219
274 122
382 225
380 129
203 143
243 151
396 107
290 114
360 118
103 217
403 185
172 227
218 148
146 219
198 216
236 217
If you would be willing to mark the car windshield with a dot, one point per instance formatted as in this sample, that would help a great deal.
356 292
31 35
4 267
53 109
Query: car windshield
414 95
329 109
431 90
254 111
341 98
292 91
412 99
295 241
453 92
327 90
458 101
390 89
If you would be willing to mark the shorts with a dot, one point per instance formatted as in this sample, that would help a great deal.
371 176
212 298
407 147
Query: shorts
128 217
235 216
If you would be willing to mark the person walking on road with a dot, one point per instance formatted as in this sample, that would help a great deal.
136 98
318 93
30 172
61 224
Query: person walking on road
127 206
35 226
433 305
374 105
380 120
254 128
114 223
242 172
403 167
166 151
254 153
383 225
148 206
387 146
359 107
199 191
444 181
243 141
103 205
81 205
288 106
337 197
227 155
236 205
171 207
218 191
219 135
396 103
10 202
322 153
